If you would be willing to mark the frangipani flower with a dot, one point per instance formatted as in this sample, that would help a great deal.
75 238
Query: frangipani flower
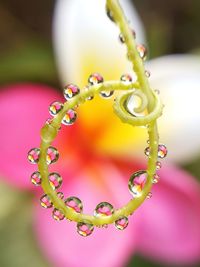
85 41
156 229
96 163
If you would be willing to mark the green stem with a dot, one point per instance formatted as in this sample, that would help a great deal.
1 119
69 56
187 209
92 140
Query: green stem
149 101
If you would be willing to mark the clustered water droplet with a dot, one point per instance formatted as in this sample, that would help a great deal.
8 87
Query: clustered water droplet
162 152
34 155
137 182
36 178
95 79
70 91
74 203
142 51
103 209
52 155
70 117
55 180
126 78
45 201
121 223
85 228
55 108
58 215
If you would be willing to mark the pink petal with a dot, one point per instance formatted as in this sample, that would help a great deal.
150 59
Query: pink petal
24 109
105 247
168 224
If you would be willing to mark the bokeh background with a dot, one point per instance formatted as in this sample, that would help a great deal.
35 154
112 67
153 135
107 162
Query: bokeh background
26 54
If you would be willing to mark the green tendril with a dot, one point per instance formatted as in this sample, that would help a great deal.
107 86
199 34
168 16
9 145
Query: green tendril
150 103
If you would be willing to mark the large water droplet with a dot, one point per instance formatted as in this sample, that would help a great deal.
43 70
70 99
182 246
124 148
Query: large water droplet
55 180
45 201
137 182
74 203
95 79
55 108
103 209
121 223
36 178
70 117
142 51
85 228
34 155
58 215
110 14
70 91
52 155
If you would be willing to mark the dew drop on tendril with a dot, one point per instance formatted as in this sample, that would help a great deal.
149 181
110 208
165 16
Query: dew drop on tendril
34 155
58 215
95 79
149 195
55 108
137 182
156 178
85 228
70 91
103 209
70 117
36 178
158 165
55 180
60 195
121 223
147 73
106 94
45 201
142 51
74 203
52 155
126 78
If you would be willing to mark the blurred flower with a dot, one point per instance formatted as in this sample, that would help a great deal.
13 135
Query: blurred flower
96 160
156 230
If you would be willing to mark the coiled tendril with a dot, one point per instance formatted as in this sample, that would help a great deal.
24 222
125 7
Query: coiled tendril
145 114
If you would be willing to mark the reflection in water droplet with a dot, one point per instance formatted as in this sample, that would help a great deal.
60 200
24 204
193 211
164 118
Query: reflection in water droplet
45 201
55 180
85 228
137 182
36 178
74 203
106 94
70 91
58 215
121 223
34 155
55 108
70 117
103 209
95 79
52 155
142 51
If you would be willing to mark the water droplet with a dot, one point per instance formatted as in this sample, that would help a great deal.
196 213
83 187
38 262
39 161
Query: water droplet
85 228
142 51
109 14
70 91
55 108
162 151
60 195
147 73
126 78
106 94
52 155
70 117
121 223
55 180
95 79
49 121
157 91
156 178
86 88
104 209
58 215
158 165
149 195
45 201
36 178
34 155
122 39
137 182
74 203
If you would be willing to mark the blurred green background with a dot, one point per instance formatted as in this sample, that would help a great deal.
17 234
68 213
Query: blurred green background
26 54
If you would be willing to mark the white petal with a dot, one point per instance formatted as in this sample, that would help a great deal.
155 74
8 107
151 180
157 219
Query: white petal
86 41
178 79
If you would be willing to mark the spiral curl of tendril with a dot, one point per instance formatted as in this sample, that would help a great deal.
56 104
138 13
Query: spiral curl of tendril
149 101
